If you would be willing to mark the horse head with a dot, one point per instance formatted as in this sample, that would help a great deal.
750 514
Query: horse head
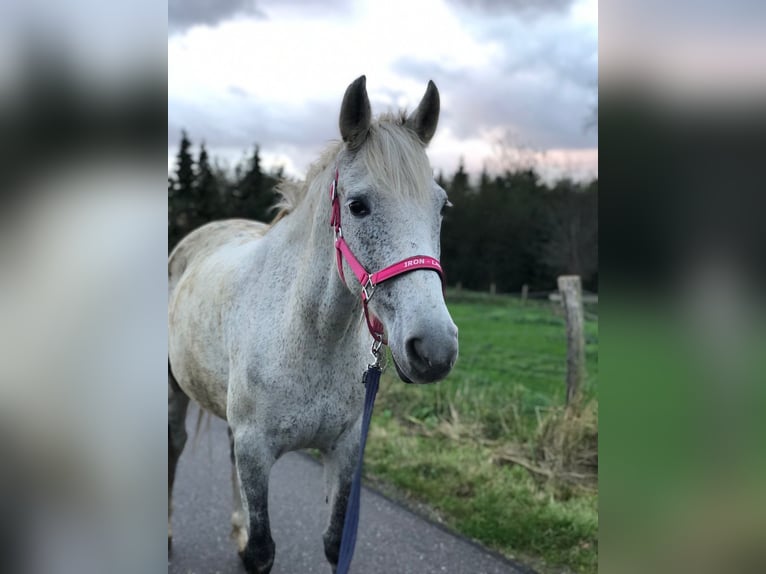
392 209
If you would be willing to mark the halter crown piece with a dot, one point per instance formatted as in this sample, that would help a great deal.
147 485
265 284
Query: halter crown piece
369 281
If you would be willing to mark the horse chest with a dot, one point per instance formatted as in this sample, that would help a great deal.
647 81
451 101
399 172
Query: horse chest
317 416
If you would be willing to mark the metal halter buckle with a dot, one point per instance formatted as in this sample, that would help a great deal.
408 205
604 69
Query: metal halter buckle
368 289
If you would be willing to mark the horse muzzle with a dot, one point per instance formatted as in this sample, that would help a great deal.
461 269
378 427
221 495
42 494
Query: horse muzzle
427 359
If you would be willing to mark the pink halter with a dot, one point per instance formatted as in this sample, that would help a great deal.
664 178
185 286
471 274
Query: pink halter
367 280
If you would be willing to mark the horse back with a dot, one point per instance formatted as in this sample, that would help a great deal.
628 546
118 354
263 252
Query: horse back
206 240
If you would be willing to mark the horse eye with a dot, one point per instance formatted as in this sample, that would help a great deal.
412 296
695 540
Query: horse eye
358 208
447 205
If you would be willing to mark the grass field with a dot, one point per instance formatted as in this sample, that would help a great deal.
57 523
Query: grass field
459 447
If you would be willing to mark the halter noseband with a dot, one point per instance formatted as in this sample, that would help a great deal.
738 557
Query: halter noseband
369 281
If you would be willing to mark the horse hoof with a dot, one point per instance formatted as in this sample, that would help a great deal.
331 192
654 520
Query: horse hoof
256 569
255 564
331 550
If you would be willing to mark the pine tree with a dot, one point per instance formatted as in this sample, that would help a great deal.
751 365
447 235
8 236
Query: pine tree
459 184
484 180
441 181
205 187
457 230
182 209
184 171
256 190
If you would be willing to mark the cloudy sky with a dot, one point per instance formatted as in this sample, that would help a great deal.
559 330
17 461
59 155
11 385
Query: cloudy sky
518 78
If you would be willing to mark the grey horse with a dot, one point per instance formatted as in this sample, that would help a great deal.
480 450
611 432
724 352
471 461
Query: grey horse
266 334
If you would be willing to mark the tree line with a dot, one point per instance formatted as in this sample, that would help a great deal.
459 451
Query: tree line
507 229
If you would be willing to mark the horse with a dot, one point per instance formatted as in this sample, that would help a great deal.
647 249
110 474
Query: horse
266 330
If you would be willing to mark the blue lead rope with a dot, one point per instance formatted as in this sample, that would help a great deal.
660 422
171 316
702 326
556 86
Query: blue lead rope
351 522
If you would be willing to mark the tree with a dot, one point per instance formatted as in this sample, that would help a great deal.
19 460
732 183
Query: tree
184 171
572 225
456 229
182 208
255 189
206 190
440 181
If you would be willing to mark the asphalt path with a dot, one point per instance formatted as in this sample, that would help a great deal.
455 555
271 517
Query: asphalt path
391 539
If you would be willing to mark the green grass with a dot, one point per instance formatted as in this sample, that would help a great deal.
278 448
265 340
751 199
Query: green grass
436 444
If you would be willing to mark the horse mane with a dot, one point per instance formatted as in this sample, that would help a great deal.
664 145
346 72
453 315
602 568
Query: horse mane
392 153
292 193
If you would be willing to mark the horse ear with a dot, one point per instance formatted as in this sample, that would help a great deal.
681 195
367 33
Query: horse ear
355 113
425 117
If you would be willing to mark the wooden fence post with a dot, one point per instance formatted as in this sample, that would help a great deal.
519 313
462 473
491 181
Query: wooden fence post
571 299
524 293
493 288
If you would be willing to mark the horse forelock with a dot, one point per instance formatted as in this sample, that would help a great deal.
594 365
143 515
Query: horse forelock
392 154
396 159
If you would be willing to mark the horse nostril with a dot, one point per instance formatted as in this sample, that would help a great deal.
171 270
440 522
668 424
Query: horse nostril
415 352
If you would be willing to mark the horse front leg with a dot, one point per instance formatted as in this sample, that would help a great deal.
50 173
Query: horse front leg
340 464
254 461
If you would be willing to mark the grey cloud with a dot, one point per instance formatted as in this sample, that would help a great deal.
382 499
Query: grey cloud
547 109
544 112
518 7
183 14
543 85
242 122
312 6
572 60
237 91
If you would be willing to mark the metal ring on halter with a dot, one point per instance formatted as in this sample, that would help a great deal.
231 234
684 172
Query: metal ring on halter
377 352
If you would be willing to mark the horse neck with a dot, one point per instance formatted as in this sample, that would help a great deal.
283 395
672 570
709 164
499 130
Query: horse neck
324 303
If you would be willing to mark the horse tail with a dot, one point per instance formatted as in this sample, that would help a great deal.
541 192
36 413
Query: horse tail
177 263
202 416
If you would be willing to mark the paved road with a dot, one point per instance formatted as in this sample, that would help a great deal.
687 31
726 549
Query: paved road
391 539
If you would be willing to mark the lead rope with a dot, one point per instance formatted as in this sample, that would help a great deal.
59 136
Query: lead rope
370 380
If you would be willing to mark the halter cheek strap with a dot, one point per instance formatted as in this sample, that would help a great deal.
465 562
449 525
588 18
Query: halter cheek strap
369 281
